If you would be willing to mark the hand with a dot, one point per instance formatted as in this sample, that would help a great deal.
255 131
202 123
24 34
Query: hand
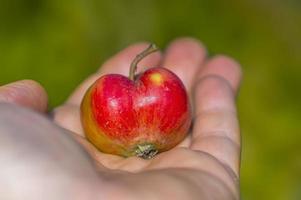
206 163
213 147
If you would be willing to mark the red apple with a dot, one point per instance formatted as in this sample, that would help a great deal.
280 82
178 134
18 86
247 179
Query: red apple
136 116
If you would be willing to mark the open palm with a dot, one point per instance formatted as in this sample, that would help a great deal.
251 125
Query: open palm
204 166
212 147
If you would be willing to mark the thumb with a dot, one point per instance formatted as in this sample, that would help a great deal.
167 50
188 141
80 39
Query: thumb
27 93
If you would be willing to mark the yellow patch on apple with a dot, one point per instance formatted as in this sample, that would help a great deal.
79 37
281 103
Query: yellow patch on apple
156 78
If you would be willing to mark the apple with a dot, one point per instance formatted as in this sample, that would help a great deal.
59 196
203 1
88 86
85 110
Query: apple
137 116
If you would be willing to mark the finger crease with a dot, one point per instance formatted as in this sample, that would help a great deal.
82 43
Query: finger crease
217 134
234 176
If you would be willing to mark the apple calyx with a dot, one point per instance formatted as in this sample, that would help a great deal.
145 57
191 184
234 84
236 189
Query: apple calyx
146 151
150 49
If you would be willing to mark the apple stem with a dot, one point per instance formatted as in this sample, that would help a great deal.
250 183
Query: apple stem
150 49
146 151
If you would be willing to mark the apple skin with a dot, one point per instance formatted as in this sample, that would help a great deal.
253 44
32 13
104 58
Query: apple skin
119 114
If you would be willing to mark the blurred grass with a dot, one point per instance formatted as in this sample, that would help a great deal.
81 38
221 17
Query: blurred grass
59 43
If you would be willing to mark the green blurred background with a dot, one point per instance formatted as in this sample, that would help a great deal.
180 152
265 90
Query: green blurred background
59 43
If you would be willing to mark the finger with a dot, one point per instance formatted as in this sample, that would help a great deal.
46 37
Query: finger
216 128
27 93
219 66
68 117
119 64
185 57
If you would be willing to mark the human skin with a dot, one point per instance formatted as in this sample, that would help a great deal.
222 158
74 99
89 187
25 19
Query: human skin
204 166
